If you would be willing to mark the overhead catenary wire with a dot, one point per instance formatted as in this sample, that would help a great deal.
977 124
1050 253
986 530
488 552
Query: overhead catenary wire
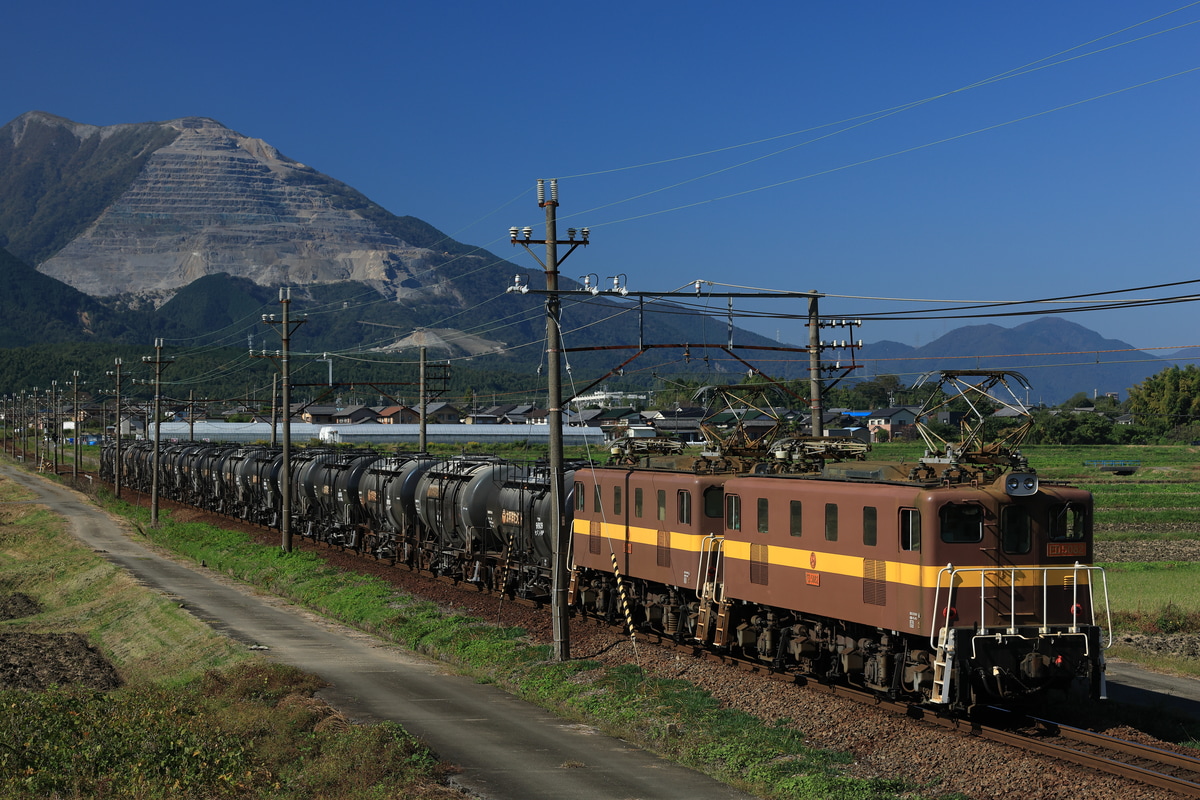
873 116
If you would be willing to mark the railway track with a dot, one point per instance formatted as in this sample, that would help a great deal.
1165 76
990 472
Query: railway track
1146 764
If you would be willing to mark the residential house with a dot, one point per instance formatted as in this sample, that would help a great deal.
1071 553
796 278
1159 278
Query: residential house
442 413
892 424
319 415
397 415
355 415
681 422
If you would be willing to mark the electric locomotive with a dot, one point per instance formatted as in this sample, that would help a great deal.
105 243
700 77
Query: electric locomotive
959 578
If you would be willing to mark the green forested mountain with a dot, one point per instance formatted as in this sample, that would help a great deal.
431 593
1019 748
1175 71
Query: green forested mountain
60 182
35 309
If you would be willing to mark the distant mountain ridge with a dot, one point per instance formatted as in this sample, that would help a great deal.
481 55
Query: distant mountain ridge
1058 357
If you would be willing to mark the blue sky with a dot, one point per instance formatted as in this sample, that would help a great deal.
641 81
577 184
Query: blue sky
774 145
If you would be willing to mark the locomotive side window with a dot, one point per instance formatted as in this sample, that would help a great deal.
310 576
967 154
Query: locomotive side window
637 502
685 507
796 523
1067 523
733 512
662 505
580 497
870 525
1016 529
617 500
597 506
910 529
831 522
714 502
962 523
763 516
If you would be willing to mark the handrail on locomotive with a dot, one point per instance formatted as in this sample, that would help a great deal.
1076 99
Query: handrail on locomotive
951 578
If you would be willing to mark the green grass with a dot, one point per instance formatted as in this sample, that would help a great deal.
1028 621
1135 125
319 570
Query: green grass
142 631
1146 588
197 716
248 731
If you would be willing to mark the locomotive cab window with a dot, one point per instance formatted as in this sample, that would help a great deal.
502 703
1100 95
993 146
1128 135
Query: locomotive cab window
1067 523
685 507
910 529
796 517
661 502
763 516
637 502
580 497
962 523
597 505
1016 530
870 526
733 512
831 522
617 500
714 502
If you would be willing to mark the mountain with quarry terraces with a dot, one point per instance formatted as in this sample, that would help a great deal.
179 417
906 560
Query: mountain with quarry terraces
147 209
187 229
201 223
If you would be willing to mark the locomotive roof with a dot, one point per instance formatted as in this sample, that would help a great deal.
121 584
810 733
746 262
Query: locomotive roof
885 471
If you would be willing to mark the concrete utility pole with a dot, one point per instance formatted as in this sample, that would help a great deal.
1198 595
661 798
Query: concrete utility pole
25 423
191 415
286 328
274 410
75 421
423 404
116 374
815 405
55 423
37 448
560 535
159 362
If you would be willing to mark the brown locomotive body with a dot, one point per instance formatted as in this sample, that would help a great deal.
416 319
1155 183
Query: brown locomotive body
853 572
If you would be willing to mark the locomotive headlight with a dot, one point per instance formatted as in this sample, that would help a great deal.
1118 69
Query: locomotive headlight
1021 484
